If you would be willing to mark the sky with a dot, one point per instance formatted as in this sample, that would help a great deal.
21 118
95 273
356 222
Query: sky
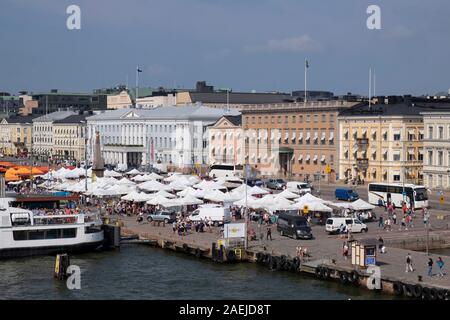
240 44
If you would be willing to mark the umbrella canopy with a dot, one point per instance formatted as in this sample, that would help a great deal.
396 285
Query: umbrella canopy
159 200
154 176
209 185
164 194
174 176
358 205
242 202
186 191
310 197
130 196
178 185
111 173
215 196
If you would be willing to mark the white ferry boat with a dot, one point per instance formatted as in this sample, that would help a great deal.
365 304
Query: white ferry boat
24 234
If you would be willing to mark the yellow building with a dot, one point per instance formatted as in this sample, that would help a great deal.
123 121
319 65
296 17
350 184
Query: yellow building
69 138
16 135
382 143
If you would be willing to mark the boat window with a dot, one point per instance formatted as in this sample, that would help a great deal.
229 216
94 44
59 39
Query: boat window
69 233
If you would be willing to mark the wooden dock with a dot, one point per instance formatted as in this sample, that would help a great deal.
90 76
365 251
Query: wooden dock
325 262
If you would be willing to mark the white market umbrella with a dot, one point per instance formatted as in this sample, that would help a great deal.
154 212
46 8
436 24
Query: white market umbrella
288 194
153 186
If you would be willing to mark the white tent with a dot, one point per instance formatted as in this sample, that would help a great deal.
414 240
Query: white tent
209 185
130 196
174 176
312 206
186 191
153 186
178 185
71 174
139 178
189 200
215 196
164 194
310 197
154 176
288 194
110 173
241 203
159 200
133 172
255 190
125 181
358 205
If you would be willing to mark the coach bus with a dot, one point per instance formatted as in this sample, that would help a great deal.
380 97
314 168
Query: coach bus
415 196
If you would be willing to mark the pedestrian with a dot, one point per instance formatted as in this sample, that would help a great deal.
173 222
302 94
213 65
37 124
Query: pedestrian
380 222
394 218
380 243
269 233
430 267
440 264
409 266
345 250
403 225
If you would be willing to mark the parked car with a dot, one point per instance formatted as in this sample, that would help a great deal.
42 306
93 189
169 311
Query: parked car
293 225
277 184
166 216
299 187
354 225
255 182
218 214
346 194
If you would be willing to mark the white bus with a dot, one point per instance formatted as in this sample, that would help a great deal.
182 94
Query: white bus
415 196
225 171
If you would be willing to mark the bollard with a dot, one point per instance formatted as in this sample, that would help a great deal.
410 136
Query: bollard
61 264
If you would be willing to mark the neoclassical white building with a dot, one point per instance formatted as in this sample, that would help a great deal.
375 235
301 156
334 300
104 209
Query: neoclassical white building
168 135
436 144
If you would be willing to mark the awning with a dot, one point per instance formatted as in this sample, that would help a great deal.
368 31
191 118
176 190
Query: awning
308 135
272 135
316 135
300 135
374 151
411 151
396 131
411 131
300 157
315 157
323 136
331 135
307 157
374 131
323 158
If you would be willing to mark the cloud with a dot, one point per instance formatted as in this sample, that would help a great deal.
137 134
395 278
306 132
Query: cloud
302 43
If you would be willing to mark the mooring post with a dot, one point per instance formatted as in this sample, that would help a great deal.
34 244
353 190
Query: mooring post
61 264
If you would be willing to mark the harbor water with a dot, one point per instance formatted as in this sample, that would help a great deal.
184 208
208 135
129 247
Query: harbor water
141 272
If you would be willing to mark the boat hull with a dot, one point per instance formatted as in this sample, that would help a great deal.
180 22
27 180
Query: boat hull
49 250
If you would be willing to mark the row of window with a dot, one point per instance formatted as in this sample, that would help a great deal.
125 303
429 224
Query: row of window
437 158
396 155
293 119
437 132
396 136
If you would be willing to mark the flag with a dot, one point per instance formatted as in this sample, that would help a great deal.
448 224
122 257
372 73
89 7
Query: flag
139 70
306 64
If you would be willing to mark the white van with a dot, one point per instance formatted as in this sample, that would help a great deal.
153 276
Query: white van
354 225
298 187
218 214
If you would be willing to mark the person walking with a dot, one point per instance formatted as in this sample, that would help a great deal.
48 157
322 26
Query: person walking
403 224
345 250
440 264
394 218
380 222
269 233
380 243
409 266
430 267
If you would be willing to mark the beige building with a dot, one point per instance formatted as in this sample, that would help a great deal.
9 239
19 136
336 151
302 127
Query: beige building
226 141
294 140
16 135
151 102
383 142
70 138
28 105
119 101
436 145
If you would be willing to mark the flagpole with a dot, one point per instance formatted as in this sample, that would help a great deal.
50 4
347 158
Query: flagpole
370 85
306 71
137 86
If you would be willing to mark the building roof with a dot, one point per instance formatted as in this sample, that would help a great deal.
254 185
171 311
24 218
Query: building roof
187 112
239 97
397 107
236 120
20 119
57 115
72 119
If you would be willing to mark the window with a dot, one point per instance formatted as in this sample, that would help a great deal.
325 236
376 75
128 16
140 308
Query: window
396 177
300 118
396 157
331 117
397 136
385 136
430 158
440 158
441 133
308 118
294 118
316 118
324 117
430 132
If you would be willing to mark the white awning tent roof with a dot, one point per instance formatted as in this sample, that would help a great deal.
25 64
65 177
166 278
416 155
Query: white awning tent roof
209 185
133 172
125 181
312 206
358 205
255 190
288 194
153 186
111 173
